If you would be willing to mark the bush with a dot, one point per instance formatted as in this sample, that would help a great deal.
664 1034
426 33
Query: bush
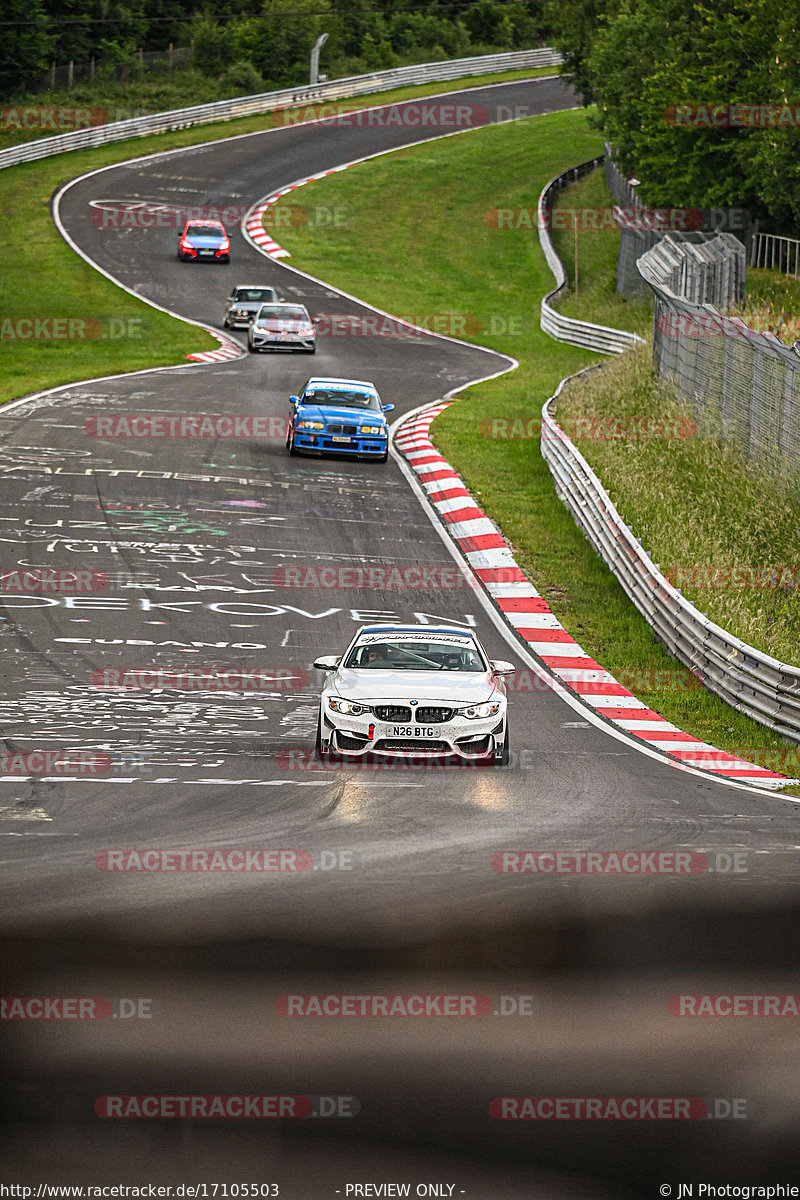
242 79
210 46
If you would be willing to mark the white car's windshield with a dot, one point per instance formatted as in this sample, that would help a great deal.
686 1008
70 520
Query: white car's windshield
254 294
415 656
282 312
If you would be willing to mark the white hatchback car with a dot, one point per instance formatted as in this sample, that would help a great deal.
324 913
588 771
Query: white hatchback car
411 690
284 326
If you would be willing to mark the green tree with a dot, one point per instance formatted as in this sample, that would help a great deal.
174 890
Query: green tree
574 25
26 45
655 63
211 45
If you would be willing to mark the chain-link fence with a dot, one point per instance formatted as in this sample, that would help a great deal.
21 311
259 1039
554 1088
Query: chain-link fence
744 384
63 76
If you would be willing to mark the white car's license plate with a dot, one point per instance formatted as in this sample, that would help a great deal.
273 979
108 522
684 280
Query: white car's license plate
428 732
342 439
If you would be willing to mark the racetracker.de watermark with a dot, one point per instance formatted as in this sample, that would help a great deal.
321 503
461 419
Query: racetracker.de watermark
766 577
629 679
616 1108
45 580
306 761
728 1004
618 862
56 762
51 116
602 219
70 329
607 219
335 577
185 425
705 325
263 679
275 1107
418 325
143 214
733 116
409 115
201 860
595 429
784 760
404 1004
76 1008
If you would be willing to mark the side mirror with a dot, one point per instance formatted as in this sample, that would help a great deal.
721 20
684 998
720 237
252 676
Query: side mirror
294 400
328 662
388 408
501 667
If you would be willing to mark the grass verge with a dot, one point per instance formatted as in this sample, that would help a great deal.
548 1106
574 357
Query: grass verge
425 246
735 549
45 281
589 203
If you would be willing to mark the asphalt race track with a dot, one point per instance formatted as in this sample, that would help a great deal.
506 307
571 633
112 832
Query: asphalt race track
192 534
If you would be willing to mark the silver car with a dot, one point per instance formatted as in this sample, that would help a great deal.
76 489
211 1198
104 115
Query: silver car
282 326
244 302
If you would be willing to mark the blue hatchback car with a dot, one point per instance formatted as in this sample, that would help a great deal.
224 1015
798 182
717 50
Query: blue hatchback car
344 416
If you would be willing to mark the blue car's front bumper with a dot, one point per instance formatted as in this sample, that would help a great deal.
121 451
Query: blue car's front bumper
328 444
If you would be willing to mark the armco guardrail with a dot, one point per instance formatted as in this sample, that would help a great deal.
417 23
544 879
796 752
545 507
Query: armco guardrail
567 329
246 106
748 680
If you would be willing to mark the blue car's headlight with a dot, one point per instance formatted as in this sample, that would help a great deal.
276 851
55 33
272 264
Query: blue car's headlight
373 430
310 425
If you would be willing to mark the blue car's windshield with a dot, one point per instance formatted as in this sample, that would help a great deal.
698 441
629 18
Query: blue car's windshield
364 400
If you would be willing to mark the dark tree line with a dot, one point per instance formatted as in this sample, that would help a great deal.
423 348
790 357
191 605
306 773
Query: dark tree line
267 41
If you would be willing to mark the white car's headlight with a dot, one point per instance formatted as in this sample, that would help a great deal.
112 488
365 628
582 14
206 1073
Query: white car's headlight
477 711
310 425
371 429
348 707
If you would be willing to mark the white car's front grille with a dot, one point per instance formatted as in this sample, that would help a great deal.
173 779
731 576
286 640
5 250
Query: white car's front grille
392 712
431 715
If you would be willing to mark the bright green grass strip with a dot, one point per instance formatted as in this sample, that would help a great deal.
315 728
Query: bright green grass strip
417 241
43 278
587 202
732 517
773 304
47 282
